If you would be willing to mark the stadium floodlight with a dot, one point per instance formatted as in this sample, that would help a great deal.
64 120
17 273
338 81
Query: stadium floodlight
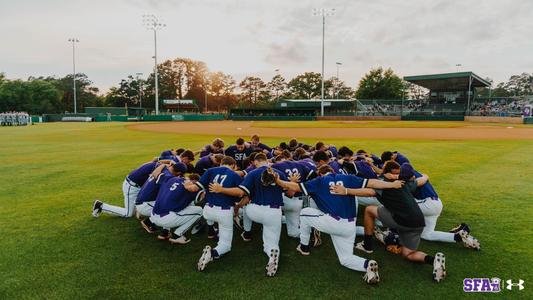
323 12
74 41
458 66
139 82
151 22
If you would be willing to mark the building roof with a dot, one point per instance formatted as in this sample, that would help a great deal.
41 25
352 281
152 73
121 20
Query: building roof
458 81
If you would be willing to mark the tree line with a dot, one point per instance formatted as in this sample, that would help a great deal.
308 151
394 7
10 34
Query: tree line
184 78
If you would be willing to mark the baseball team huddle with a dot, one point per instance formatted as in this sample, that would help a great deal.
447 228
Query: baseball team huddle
312 189
15 119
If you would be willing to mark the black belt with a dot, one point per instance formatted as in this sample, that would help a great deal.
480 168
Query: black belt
131 182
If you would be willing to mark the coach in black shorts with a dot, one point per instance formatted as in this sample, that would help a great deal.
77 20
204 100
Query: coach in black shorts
401 212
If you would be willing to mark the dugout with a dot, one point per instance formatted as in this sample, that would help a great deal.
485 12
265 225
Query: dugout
331 106
180 105
295 109
449 93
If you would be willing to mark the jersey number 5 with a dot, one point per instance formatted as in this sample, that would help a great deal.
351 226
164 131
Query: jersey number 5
174 186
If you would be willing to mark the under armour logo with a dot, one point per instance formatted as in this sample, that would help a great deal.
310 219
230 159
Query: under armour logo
511 284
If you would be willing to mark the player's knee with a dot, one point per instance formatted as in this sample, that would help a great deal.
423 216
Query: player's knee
344 261
427 235
305 211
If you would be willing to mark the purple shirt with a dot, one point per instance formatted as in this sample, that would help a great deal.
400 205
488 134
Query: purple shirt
172 196
140 175
203 165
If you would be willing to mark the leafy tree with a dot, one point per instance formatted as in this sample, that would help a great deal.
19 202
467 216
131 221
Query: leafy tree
34 96
127 93
86 93
380 84
520 85
306 86
277 86
220 88
253 90
500 91
337 89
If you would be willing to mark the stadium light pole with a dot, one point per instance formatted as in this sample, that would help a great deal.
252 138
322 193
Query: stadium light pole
323 12
151 22
458 66
338 65
74 41
140 89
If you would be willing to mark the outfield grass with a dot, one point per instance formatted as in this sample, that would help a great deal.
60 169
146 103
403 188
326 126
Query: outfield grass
51 247
378 124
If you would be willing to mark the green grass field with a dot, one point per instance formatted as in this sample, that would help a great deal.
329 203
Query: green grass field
51 247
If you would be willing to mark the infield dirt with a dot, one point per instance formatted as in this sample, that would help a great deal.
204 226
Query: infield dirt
469 131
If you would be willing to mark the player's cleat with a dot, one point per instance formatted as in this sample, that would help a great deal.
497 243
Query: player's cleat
439 267
164 235
462 226
178 239
237 221
371 276
468 240
97 208
317 239
198 227
211 232
148 226
380 235
205 258
361 246
246 236
303 249
272 266
138 215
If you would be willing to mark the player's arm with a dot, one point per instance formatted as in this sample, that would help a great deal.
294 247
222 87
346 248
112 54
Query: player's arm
158 170
234 191
420 181
288 185
361 192
382 185
366 191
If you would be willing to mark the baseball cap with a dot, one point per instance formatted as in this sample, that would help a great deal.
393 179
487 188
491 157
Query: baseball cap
406 171
180 167
165 157
166 153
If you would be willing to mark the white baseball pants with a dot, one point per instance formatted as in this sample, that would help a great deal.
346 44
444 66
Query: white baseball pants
224 218
342 235
270 218
292 208
145 209
182 220
431 210
130 195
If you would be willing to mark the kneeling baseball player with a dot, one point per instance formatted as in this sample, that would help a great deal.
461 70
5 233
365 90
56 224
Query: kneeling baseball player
266 200
336 215
401 212
219 207
174 207
130 188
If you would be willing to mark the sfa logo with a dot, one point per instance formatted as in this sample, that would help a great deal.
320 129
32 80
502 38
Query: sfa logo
483 285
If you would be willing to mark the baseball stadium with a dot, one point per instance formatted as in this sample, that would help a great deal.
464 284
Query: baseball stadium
185 183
